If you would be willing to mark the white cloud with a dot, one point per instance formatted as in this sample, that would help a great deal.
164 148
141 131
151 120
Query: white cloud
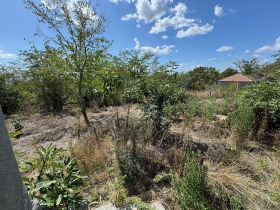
247 51
165 49
224 49
177 21
267 48
49 4
4 54
154 10
117 1
212 59
129 16
195 30
256 56
219 11
164 36
71 6
150 10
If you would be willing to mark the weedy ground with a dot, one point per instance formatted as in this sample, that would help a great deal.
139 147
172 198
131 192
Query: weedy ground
238 178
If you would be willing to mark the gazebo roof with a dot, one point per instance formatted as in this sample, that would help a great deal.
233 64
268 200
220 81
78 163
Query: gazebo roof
237 78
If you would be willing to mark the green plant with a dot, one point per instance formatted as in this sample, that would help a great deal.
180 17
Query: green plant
190 188
58 179
118 192
128 158
162 177
193 107
51 81
241 120
210 109
264 100
201 77
263 164
138 203
15 134
229 201
235 203
82 44
17 125
10 97
163 91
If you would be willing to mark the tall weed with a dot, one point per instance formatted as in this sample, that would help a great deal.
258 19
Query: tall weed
241 121
190 188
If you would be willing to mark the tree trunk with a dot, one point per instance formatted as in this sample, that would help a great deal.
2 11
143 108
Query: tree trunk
82 101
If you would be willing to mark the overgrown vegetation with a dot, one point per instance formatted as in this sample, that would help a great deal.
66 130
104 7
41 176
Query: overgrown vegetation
190 189
57 179
134 157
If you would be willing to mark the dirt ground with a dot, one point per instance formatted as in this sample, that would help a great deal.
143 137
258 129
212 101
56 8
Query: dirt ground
252 173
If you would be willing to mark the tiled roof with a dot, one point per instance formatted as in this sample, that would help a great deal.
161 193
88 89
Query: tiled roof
237 78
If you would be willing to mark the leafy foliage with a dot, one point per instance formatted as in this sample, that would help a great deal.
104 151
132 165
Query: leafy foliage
128 158
241 123
227 72
48 72
264 99
201 77
163 91
78 33
10 97
190 188
262 96
58 179
248 67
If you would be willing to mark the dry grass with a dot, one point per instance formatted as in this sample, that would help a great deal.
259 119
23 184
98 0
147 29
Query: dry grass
252 178
91 153
251 175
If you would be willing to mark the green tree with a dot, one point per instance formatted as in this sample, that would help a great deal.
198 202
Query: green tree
202 76
227 72
78 32
48 73
137 67
10 97
247 67
163 90
264 99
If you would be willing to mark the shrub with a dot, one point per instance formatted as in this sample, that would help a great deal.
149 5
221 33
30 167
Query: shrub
48 71
58 179
128 157
264 100
241 123
10 98
163 91
210 109
190 188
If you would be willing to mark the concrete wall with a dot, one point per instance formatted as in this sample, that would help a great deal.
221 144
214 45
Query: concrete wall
11 186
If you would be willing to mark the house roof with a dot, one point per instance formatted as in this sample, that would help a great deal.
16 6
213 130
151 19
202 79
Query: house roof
237 78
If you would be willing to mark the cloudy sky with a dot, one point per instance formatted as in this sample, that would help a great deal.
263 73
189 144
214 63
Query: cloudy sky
190 32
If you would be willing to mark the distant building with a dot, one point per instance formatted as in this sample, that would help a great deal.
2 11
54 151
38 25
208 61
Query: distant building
239 78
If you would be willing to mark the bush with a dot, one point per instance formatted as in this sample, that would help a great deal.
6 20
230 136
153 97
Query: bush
58 179
163 91
241 123
10 98
128 157
190 188
264 99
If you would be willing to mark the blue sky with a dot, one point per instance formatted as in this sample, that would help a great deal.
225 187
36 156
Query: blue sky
190 32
